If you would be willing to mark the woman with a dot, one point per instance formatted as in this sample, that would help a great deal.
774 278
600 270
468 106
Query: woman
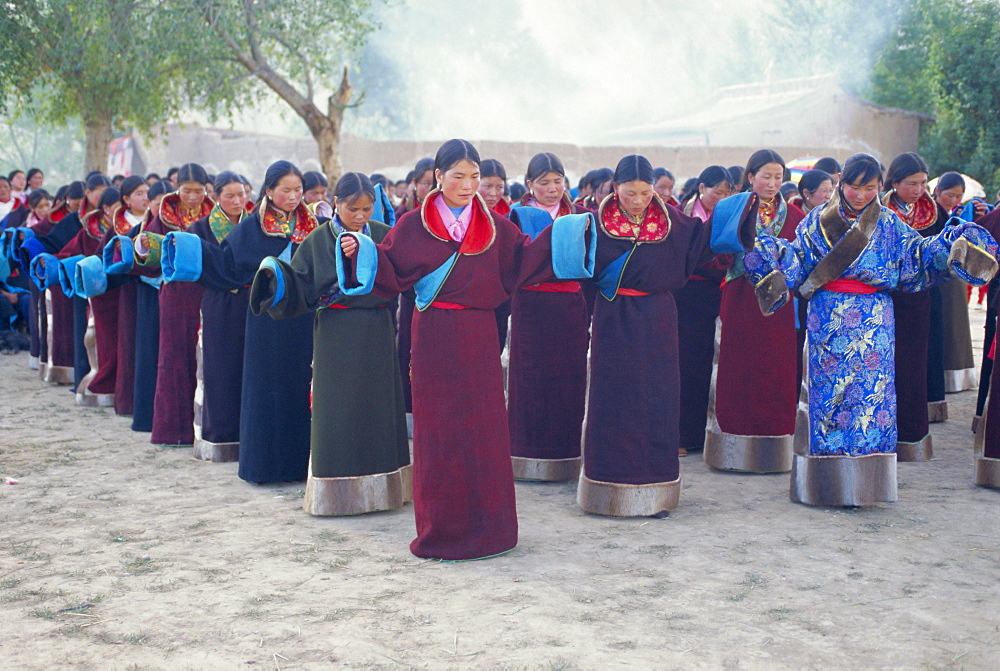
18 185
274 403
986 425
645 251
464 260
37 223
664 186
752 417
223 321
845 258
35 179
697 310
314 190
421 185
549 337
815 190
8 203
492 184
917 315
177 363
360 454
959 365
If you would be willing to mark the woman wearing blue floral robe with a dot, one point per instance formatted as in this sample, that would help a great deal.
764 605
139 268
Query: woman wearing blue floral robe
846 257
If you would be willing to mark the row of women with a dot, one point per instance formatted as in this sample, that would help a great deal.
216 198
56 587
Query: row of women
300 369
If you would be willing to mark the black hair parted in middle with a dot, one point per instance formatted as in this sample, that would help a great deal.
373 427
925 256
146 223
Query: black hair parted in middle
313 179
811 180
192 172
860 169
273 175
110 196
904 165
492 168
453 152
542 164
634 167
354 185
758 160
130 184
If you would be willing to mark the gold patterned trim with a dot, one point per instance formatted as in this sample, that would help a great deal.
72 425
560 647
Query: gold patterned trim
960 380
621 500
922 450
546 470
843 480
358 495
937 411
215 452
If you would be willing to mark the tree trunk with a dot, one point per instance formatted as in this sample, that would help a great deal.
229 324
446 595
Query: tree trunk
97 135
327 137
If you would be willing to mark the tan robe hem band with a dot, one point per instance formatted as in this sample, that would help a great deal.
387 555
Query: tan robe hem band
623 500
358 495
843 480
217 452
922 450
546 470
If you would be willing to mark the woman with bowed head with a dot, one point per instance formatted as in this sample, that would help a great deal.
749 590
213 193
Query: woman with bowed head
697 310
846 257
492 184
277 355
815 190
180 311
919 346
360 455
549 337
463 260
664 186
645 251
752 417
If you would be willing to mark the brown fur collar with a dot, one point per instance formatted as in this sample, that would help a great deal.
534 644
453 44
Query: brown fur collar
847 241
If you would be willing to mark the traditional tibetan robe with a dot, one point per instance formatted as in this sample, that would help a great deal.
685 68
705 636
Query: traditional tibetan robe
503 310
987 428
274 404
631 465
180 316
751 415
463 484
845 451
912 316
37 312
404 325
360 454
223 323
697 313
960 371
547 373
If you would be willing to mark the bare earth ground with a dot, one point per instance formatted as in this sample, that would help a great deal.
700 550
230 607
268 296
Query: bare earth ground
118 555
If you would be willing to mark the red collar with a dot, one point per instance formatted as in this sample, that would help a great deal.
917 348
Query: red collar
923 214
481 232
171 216
95 224
275 227
502 208
655 225
122 227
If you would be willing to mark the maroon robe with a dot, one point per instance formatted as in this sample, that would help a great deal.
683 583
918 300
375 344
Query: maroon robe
463 485
988 430
180 318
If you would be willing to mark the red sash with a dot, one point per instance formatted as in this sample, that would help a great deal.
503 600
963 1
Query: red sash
850 287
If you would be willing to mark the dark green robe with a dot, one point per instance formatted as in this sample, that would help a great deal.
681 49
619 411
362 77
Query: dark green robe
358 415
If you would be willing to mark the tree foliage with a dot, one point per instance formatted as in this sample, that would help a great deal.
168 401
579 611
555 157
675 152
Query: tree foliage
945 61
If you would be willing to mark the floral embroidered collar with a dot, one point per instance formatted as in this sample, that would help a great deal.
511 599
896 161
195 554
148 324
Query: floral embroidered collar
122 225
275 224
96 224
173 217
654 226
219 223
920 215
478 237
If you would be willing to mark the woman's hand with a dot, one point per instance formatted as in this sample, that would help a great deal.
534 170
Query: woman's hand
349 246
979 208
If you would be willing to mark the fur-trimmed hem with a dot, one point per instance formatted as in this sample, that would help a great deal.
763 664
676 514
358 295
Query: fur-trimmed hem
937 411
89 400
844 480
623 500
748 454
216 452
358 495
987 472
960 380
546 470
974 261
922 450
61 375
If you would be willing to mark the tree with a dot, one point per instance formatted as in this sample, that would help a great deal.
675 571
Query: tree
98 60
296 48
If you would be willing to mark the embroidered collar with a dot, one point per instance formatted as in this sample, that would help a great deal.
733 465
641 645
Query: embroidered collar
275 225
654 227
121 224
219 223
919 215
565 205
173 218
478 237
97 225
338 227
771 216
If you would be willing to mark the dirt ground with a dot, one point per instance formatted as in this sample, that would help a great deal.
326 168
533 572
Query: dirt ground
118 555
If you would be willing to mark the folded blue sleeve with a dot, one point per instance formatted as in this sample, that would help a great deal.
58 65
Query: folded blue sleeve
365 266
44 271
383 211
119 255
726 221
90 279
272 264
574 246
29 250
67 274
181 259
531 220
